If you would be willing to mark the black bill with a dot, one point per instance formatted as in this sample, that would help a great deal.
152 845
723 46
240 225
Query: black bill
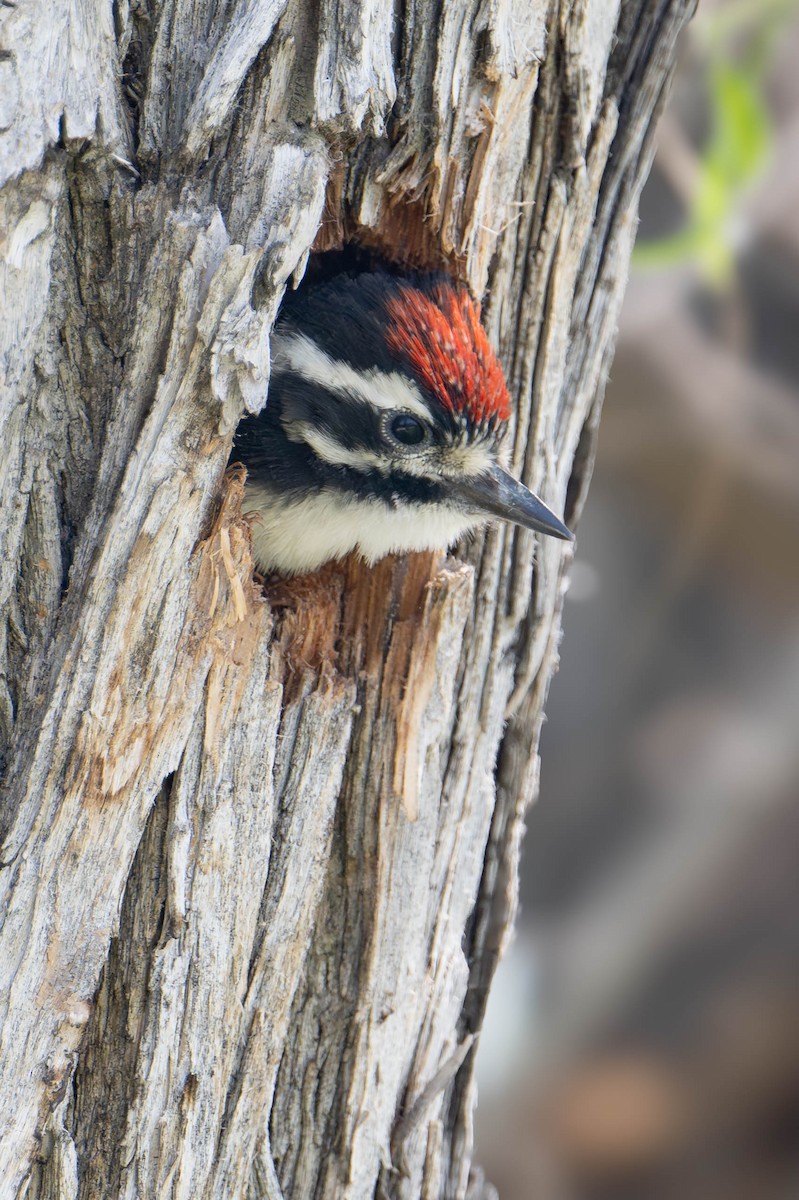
498 494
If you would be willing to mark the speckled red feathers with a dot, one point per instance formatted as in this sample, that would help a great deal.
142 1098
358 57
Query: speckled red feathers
440 336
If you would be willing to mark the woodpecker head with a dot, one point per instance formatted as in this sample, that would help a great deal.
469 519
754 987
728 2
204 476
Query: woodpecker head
382 428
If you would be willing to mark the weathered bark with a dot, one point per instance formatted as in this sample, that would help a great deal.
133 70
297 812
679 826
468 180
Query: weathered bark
260 845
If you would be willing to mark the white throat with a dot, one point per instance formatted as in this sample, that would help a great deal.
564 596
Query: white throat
295 535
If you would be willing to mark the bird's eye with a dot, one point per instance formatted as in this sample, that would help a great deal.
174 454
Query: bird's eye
407 429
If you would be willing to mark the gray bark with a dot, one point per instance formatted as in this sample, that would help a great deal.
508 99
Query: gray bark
260 845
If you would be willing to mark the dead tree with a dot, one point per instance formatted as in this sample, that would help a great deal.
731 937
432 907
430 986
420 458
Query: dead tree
259 844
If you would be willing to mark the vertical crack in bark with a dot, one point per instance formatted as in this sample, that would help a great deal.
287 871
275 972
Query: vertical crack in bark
105 1077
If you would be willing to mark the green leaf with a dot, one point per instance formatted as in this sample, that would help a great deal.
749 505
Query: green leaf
736 152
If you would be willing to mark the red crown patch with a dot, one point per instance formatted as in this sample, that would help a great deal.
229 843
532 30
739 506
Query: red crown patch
440 335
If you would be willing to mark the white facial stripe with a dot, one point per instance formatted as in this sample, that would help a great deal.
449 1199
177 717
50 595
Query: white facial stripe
454 462
459 461
331 451
382 389
469 459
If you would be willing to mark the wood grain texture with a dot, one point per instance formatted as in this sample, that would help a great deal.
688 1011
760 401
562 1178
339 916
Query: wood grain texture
259 844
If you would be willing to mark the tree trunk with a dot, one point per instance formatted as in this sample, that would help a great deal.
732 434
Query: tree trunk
260 844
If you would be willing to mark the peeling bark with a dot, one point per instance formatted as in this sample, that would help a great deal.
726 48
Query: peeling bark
259 843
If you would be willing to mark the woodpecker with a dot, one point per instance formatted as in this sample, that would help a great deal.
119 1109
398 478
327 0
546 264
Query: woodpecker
382 429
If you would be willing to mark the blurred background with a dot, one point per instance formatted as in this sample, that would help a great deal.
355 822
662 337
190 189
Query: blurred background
642 1040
